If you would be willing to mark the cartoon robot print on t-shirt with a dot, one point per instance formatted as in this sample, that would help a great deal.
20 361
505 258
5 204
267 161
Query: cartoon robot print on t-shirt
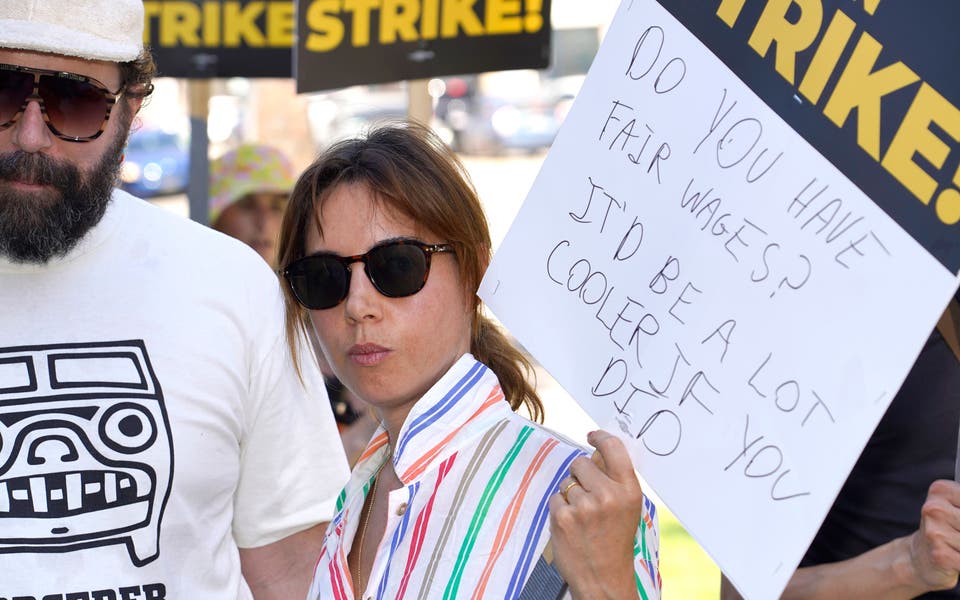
86 456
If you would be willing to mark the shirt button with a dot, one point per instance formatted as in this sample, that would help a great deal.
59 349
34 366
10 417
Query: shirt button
401 509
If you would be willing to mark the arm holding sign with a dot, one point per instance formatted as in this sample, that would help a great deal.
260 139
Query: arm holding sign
598 547
925 561
928 560
891 533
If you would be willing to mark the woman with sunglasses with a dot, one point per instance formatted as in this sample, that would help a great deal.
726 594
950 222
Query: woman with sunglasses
384 244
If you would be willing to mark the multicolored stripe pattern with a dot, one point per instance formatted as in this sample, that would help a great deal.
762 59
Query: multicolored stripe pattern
472 518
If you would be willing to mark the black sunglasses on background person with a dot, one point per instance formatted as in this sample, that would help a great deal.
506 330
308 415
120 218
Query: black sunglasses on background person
74 107
396 268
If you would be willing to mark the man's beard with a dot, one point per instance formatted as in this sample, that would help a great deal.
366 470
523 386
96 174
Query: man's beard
35 227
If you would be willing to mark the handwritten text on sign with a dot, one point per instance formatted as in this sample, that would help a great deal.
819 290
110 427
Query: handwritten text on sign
707 285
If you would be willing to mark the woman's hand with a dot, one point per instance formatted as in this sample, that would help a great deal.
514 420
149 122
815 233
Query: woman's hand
594 521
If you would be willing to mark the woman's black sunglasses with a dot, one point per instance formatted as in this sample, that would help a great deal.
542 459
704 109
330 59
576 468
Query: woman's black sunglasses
396 269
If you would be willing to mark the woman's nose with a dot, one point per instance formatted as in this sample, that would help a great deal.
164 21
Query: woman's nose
363 301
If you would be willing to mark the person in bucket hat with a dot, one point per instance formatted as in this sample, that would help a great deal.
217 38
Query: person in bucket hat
156 440
249 188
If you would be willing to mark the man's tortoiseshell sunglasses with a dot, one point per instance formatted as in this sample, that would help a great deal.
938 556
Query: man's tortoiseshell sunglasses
75 107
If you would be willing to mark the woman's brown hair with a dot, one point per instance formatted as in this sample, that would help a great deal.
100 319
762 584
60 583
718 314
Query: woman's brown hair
407 167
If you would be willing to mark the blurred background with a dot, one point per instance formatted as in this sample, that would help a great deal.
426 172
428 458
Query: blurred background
500 123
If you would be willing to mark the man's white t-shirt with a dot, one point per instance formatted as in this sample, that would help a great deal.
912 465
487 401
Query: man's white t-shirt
151 420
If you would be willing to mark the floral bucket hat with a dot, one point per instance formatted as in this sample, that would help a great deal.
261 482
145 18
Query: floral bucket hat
249 168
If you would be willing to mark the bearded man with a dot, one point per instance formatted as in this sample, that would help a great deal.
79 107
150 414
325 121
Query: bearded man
156 440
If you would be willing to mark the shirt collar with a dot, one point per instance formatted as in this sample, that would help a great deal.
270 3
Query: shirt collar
467 398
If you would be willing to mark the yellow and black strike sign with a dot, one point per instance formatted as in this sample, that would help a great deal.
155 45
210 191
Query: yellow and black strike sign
871 84
349 42
221 38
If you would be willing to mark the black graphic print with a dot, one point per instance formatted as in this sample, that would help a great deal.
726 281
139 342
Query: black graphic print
86 457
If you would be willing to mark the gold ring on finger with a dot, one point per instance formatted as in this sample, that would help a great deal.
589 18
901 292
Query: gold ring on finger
567 489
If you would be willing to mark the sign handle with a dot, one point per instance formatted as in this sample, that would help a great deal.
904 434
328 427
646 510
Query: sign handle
198 94
419 102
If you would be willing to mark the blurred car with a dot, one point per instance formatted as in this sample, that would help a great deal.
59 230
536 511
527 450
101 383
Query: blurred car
156 163
351 111
493 125
495 113
352 120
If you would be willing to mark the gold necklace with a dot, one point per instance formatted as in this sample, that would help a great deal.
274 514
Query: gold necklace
363 526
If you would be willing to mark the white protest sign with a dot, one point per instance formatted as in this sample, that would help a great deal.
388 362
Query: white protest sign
711 288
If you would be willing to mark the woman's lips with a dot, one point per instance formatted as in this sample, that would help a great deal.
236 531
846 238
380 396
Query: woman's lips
367 355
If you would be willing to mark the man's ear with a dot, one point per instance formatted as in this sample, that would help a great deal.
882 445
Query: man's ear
134 103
